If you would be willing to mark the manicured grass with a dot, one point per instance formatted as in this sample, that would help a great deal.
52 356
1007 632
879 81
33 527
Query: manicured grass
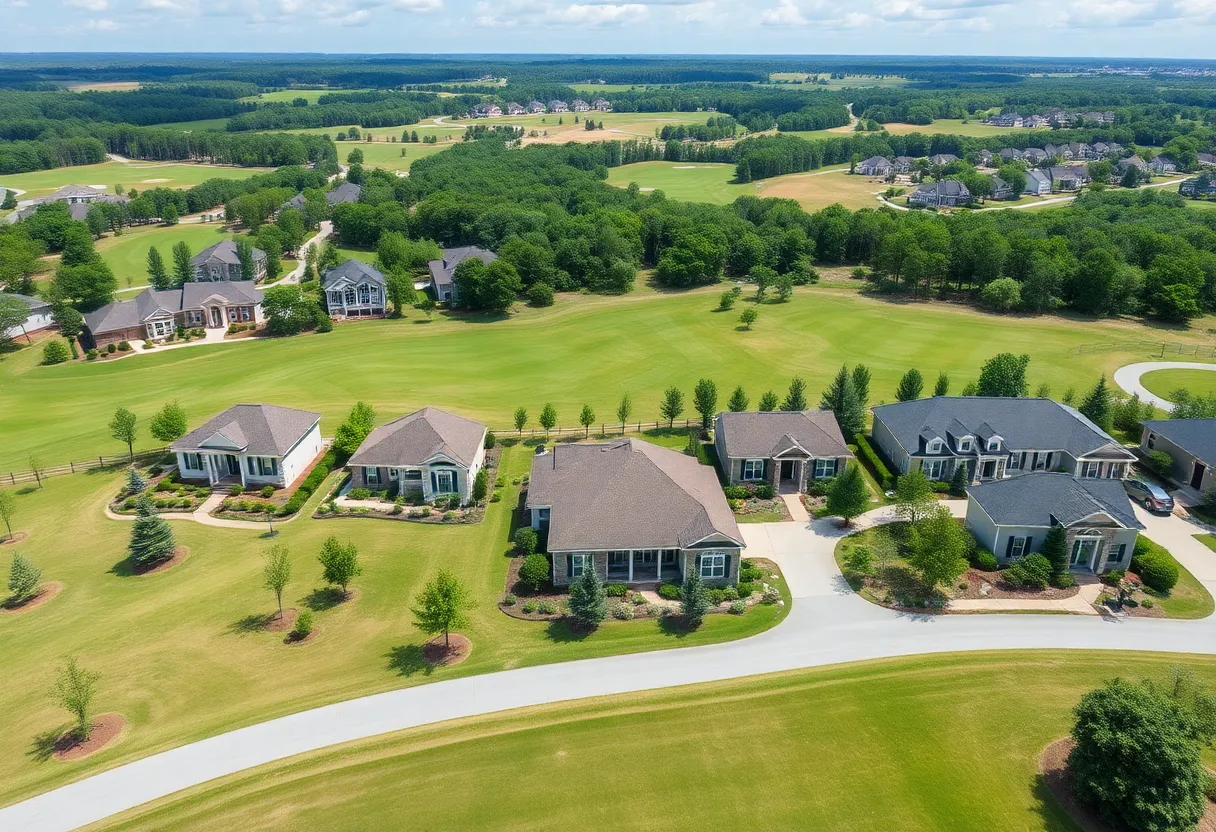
803 79
128 254
714 183
1188 599
218 124
140 175
1208 540
291 95
583 350
597 90
388 154
1165 382
933 742
177 652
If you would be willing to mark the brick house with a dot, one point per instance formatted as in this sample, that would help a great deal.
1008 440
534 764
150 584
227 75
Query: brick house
154 315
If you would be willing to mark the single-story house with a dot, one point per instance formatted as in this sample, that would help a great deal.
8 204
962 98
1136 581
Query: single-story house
1162 164
940 159
1038 183
1207 160
354 290
1068 177
39 316
783 448
221 263
943 193
154 314
1006 120
536 107
442 270
556 106
1202 185
634 512
251 444
601 105
346 192
903 164
485 111
429 451
1012 517
875 166
1132 161
514 109
1191 443
1010 154
79 210
996 438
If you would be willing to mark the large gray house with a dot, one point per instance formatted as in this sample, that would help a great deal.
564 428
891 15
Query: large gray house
634 512
442 270
1012 518
996 438
1191 443
220 262
783 448
354 290
945 193
154 315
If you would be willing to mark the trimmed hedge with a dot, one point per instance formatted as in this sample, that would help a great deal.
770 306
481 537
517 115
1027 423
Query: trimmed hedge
1155 565
870 457
311 483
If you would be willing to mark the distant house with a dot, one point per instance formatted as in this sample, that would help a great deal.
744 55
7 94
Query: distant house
1035 121
940 159
601 105
1203 185
1132 161
1191 443
785 449
578 105
634 512
536 108
1002 189
1162 165
1099 117
39 317
354 290
1010 154
221 263
986 158
558 107
1006 120
442 270
76 194
1068 177
1079 151
346 192
430 451
485 111
1034 156
1207 160
296 202
875 166
903 164
78 198
1038 183
514 109
1011 518
251 445
945 193
154 315
1053 151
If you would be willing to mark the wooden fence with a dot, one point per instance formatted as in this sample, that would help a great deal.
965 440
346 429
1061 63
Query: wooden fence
604 430
14 477
1162 348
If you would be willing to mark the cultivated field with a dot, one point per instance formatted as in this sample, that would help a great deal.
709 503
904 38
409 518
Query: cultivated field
105 86
1165 382
714 183
896 745
139 175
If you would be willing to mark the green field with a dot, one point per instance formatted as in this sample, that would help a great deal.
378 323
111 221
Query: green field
585 349
956 126
713 183
128 254
1201 204
279 96
388 154
218 124
807 81
139 175
935 742
1164 382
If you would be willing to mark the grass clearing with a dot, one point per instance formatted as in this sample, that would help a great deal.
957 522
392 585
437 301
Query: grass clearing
128 254
105 86
139 175
1164 382
288 96
932 742
216 124
713 183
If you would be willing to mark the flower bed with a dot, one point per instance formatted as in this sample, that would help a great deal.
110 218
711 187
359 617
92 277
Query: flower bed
756 503
167 494
252 503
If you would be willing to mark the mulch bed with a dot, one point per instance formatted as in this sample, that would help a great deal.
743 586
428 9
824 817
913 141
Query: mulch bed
436 654
45 593
276 624
106 729
308 639
180 553
754 505
999 589
16 538
1053 767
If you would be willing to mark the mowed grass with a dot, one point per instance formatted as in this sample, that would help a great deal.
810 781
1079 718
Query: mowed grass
180 655
714 183
583 350
1165 382
387 155
217 124
280 96
140 175
934 742
128 253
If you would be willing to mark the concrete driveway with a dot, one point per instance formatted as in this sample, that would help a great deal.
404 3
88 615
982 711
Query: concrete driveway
1128 377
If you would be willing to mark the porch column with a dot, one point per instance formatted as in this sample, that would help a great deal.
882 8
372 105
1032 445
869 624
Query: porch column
630 566
240 463
211 477
658 565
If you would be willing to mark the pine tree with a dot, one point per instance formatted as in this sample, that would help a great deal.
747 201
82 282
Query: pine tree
1097 405
694 599
848 495
1055 549
157 276
151 538
738 400
135 482
795 399
588 601
23 578
183 272
942 387
958 482
910 386
768 402
841 398
861 383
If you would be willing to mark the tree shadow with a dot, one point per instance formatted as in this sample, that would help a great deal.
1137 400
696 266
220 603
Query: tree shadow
29 489
676 626
251 623
320 600
44 745
123 569
566 630
407 660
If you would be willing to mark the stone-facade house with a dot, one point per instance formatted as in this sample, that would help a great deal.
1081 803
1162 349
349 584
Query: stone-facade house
221 263
785 449
354 290
251 445
154 315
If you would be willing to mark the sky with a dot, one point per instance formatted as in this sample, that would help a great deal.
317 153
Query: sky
1081 28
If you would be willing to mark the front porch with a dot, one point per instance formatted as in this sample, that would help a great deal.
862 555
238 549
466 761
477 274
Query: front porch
646 566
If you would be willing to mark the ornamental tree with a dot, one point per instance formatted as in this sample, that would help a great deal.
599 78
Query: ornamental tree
74 691
339 562
169 423
910 386
23 578
588 601
705 400
276 572
848 495
152 539
441 606
694 599
672 405
937 547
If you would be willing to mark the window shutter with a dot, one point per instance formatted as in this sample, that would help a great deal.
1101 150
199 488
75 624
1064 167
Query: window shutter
1122 551
726 567
697 565
1047 465
569 567
1026 548
434 482
1009 548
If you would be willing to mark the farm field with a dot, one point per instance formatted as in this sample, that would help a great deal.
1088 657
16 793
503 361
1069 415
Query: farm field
128 254
310 95
139 175
709 182
105 86
490 367
877 745
1164 382
218 124
181 654
387 155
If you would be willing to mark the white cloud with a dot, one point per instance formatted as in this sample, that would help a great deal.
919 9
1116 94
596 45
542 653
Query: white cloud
164 5
580 14
291 6
102 25
784 14
88 5
420 6
359 17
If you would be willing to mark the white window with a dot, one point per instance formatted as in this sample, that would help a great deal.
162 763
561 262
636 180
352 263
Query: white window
268 466
1017 548
445 482
1116 471
413 474
965 445
246 314
393 473
350 296
935 446
1089 470
1117 554
1040 461
825 468
365 296
753 469
933 468
713 565
194 462
233 315
578 563
994 444
160 329
371 475
1015 462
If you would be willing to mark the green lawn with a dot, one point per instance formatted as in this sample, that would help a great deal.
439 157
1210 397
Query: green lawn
218 124
1188 599
128 254
1208 540
174 650
1165 382
714 183
311 95
388 154
140 175
933 742
583 350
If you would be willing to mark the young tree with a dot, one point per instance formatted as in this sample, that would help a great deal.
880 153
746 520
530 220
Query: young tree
548 418
151 537
937 547
183 272
1097 405
36 468
588 600
913 496
748 317
738 400
169 215
481 485
350 434
339 562
910 386
441 606
624 410
586 418
768 402
1055 549
694 599
169 423
848 495
521 419
795 399
958 480
726 301
136 484
122 428
942 387
705 400
158 276
861 383
23 578
672 405
74 691
276 572
1004 375
8 510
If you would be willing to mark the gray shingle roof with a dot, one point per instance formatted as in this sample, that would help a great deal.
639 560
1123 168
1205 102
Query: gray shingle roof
124 314
946 187
1037 499
1195 436
346 192
352 270
628 494
32 302
441 270
419 436
225 252
762 435
258 429
1024 424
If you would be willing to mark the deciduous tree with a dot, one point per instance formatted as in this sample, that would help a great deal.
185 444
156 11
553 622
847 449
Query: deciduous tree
122 428
441 606
276 572
672 405
623 410
521 419
548 418
74 691
848 495
586 418
8 510
705 400
910 386
339 562
937 547
169 423
1004 375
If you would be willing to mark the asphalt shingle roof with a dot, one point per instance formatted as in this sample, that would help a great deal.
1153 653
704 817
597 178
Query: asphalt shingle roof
441 270
225 252
419 436
346 192
1195 436
257 429
1035 499
124 314
761 435
354 271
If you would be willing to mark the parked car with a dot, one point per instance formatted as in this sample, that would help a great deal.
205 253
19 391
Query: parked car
1153 497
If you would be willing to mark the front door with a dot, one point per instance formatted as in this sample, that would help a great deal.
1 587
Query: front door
234 465
787 469
1197 476
1083 552
217 317
989 469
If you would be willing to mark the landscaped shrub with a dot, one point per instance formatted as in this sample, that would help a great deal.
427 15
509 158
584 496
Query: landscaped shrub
491 439
540 294
638 599
717 595
510 600
738 607
730 594
771 595
1030 572
91 355
622 611
303 628
764 492
55 352
984 560
495 497
669 592
234 490
111 348
546 608
124 346
1161 462
360 493
1147 603
294 503
874 462
736 492
185 502
529 607
745 588
268 491
615 590
525 540
1113 577
534 571
128 504
751 573
1155 566
449 516
819 487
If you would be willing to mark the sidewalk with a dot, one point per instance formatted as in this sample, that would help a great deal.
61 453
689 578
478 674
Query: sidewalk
202 514
798 513
1079 604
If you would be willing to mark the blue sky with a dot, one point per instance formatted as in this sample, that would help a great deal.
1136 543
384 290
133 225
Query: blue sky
1118 28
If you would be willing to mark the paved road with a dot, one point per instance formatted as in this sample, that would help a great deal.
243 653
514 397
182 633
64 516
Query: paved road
1128 377
326 228
828 624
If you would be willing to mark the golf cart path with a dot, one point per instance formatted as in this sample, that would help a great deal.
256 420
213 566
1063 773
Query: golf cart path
1128 377
828 624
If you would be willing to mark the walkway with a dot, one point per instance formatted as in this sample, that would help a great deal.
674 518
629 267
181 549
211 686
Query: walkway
1128 377
202 514
828 624
326 228
798 512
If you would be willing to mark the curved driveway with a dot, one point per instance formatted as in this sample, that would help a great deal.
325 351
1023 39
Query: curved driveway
829 624
1128 377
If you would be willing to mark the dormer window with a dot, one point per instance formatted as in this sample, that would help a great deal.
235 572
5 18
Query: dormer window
935 446
964 445
994 444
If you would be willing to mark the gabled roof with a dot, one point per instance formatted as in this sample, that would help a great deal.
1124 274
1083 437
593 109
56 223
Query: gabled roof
629 494
346 192
441 270
943 158
224 252
1044 499
1195 436
33 303
765 435
876 161
422 436
152 303
945 187
257 429
354 271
